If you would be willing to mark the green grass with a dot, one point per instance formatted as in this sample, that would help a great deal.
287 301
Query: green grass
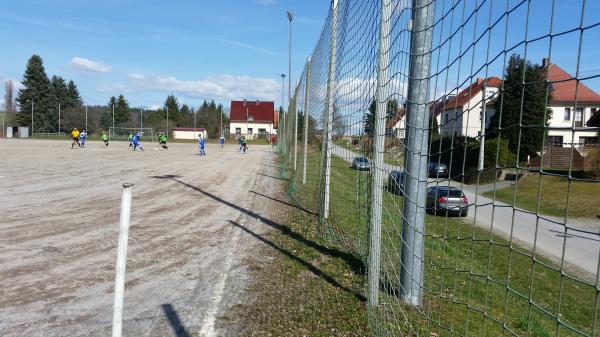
476 283
583 197
303 288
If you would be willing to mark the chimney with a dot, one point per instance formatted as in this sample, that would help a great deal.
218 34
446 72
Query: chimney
545 62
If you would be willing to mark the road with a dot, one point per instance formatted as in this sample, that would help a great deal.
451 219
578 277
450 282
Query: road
581 242
186 262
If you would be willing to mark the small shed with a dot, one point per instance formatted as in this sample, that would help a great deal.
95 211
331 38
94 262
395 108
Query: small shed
189 133
17 131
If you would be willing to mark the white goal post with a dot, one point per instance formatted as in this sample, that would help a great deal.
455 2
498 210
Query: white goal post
118 133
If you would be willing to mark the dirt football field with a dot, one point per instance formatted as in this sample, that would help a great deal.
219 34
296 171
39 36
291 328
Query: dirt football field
191 215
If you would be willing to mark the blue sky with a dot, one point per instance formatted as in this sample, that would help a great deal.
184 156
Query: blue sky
148 49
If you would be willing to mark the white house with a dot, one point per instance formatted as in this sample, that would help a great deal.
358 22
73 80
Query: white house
461 114
252 119
568 123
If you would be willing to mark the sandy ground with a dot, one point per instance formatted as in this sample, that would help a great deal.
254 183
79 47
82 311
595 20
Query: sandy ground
59 214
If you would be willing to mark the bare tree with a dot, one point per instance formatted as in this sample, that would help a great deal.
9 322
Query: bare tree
9 102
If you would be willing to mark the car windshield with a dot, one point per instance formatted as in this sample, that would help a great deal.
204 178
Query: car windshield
362 159
452 193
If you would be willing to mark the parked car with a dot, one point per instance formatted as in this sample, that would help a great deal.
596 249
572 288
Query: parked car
437 170
446 199
361 163
396 182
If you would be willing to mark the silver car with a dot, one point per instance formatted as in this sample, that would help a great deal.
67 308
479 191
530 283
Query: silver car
361 164
446 200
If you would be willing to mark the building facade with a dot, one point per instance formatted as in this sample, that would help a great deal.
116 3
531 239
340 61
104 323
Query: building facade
252 119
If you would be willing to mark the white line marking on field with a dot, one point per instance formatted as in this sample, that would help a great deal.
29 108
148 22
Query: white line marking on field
208 324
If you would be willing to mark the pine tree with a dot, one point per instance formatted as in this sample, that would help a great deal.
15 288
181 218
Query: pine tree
37 89
60 91
369 119
122 113
106 120
73 98
173 106
521 104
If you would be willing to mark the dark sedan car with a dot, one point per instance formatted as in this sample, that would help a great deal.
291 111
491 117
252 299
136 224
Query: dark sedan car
446 200
361 164
396 182
437 170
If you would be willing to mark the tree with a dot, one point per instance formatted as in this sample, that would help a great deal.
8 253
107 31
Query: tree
73 98
369 119
37 89
9 103
173 106
60 91
106 120
435 129
339 127
122 113
521 108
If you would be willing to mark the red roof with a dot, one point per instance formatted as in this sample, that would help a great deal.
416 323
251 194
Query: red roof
395 119
259 112
564 87
467 94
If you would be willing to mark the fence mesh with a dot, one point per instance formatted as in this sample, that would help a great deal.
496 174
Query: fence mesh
509 180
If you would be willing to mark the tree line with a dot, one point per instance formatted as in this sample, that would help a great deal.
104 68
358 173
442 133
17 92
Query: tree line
44 95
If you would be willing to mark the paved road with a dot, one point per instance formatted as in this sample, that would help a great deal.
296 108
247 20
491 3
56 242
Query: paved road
581 243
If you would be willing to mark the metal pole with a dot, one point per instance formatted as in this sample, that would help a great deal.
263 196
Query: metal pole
290 18
417 119
373 267
58 117
330 79
86 114
282 127
32 118
141 118
168 121
221 113
295 132
113 115
482 134
121 259
307 79
195 113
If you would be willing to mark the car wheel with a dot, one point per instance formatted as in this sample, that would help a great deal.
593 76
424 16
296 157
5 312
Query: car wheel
464 213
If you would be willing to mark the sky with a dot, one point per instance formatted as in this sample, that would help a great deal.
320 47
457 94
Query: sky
236 49
147 49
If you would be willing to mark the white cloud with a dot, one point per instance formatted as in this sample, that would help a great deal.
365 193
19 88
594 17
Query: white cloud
88 65
219 87
113 88
267 2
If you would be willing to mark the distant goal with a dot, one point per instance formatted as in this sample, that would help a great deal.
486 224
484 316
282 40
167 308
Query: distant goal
117 133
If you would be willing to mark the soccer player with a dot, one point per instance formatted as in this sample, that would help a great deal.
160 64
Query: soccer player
244 144
222 141
82 138
105 138
162 140
75 137
130 139
136 141
201 144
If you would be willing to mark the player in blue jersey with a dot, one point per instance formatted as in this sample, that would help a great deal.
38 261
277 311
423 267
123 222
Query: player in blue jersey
136 141
201 144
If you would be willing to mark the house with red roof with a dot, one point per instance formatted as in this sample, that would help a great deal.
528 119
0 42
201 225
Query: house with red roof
573 105
252 119
461 114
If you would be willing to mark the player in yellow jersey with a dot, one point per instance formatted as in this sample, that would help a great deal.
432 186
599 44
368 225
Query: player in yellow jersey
75 138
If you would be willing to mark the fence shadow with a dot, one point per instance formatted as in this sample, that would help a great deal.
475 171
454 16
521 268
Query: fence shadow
268 176
176 325
351 260
329 279
285 203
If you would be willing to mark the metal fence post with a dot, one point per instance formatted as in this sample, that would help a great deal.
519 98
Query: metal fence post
417 121
329 118
373 267
121 259
295 130
306 119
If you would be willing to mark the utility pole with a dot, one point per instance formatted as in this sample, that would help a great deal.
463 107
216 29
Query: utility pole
86 114
373 266
59 117
282 127
141 118
329 117
416 152
167 120
32 118
306 88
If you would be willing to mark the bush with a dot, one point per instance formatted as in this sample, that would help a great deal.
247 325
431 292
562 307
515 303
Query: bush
505 156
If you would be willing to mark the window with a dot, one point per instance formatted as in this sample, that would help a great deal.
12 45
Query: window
555 140
446 117
588 140
262 131
238 131
567 114
579 117
489 93
249 131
